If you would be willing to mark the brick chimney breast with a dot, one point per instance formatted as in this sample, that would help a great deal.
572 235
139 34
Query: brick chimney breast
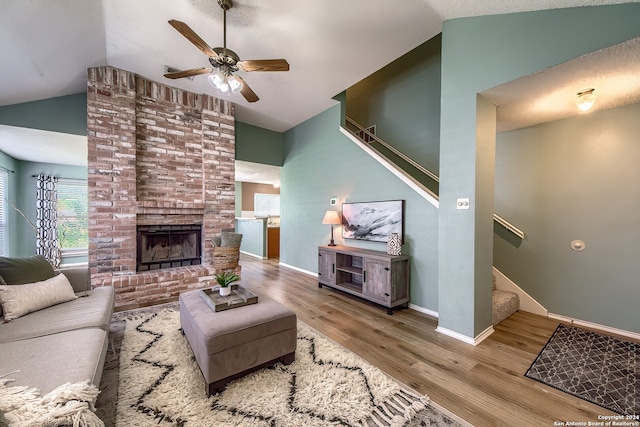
157 155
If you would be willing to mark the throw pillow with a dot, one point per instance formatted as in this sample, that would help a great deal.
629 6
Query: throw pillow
18 300
19 271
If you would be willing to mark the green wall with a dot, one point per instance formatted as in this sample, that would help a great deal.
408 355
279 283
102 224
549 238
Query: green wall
575 179
66 114
22 194
320 163
477 54
254 236
403 101
258 145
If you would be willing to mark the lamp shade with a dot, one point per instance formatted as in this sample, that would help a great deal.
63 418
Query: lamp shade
331 217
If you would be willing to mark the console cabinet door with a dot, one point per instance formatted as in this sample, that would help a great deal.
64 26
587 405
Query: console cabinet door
377 280
326 267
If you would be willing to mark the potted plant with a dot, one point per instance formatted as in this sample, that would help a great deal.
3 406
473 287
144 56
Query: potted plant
224 279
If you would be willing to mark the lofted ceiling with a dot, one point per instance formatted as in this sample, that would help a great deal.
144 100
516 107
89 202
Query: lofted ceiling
330 45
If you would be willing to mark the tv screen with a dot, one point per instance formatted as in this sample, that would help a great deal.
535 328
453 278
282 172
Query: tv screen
374 221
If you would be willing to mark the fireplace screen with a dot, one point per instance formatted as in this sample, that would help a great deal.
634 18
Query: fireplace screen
168 246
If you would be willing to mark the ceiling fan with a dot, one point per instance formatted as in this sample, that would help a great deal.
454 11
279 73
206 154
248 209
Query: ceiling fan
224 62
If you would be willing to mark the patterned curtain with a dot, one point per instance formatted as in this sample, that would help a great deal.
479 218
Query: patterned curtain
46 219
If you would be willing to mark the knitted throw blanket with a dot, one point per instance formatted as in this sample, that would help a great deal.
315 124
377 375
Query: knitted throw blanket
67 405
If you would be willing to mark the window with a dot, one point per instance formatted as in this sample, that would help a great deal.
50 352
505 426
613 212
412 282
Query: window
73 217
4 235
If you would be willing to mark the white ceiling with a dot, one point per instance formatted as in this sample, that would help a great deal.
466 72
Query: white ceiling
331 44
35 145
551 94
258 173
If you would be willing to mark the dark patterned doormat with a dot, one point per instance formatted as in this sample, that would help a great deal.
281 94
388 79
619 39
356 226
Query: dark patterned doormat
600 369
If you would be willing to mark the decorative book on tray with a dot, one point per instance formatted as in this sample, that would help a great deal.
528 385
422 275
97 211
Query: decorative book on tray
239 297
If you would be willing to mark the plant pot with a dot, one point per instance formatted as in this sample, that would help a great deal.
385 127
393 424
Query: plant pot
225 291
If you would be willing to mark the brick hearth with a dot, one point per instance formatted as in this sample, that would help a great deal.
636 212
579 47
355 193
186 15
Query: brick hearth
157 155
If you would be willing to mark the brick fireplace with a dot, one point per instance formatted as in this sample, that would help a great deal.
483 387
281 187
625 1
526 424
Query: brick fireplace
159 157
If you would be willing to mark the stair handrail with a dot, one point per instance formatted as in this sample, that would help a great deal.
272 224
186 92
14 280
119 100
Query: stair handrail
394 150
506 224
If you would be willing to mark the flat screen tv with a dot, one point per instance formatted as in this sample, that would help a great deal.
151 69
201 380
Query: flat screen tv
374 221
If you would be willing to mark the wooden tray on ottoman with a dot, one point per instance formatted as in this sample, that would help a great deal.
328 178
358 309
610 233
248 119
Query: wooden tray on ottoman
239 297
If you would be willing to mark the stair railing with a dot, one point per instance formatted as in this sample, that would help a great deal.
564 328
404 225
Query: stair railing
362 131
392 149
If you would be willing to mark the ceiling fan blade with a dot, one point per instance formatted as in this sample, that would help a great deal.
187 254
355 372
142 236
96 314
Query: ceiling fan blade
246 91
264 65
191 35
188 73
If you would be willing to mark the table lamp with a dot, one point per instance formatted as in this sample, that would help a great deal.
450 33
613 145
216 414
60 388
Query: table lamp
331 217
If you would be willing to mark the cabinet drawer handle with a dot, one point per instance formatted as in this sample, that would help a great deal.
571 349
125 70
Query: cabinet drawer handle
386 295
387 268
364 276
333 268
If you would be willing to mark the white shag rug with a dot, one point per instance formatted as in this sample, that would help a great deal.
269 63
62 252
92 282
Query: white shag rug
67 405
160 383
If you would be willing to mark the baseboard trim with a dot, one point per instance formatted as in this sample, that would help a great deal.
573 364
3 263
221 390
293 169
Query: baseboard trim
603 328
253 255
301 270
424 310
473 341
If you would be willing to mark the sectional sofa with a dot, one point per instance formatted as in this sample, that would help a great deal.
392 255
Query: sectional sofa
53 329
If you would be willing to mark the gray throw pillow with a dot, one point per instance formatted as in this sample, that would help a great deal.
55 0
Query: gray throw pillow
18 271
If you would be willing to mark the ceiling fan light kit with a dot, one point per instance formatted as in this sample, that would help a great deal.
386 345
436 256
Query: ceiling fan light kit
224 62
225 84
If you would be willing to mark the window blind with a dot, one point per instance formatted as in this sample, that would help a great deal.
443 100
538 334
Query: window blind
73 215
4 220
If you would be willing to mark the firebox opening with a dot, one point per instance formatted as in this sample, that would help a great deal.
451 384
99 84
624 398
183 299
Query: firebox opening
168 246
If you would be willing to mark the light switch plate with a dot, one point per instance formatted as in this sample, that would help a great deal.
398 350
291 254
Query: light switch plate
462 203
333 201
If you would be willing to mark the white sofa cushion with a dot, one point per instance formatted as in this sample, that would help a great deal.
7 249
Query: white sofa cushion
18 300
49 361
91 310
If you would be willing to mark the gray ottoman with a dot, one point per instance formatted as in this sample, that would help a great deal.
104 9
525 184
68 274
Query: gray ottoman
229 344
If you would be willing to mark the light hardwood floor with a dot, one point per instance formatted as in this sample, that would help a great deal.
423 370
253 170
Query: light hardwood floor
484 385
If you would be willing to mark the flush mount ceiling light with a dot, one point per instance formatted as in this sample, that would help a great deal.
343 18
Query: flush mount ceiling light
586 99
